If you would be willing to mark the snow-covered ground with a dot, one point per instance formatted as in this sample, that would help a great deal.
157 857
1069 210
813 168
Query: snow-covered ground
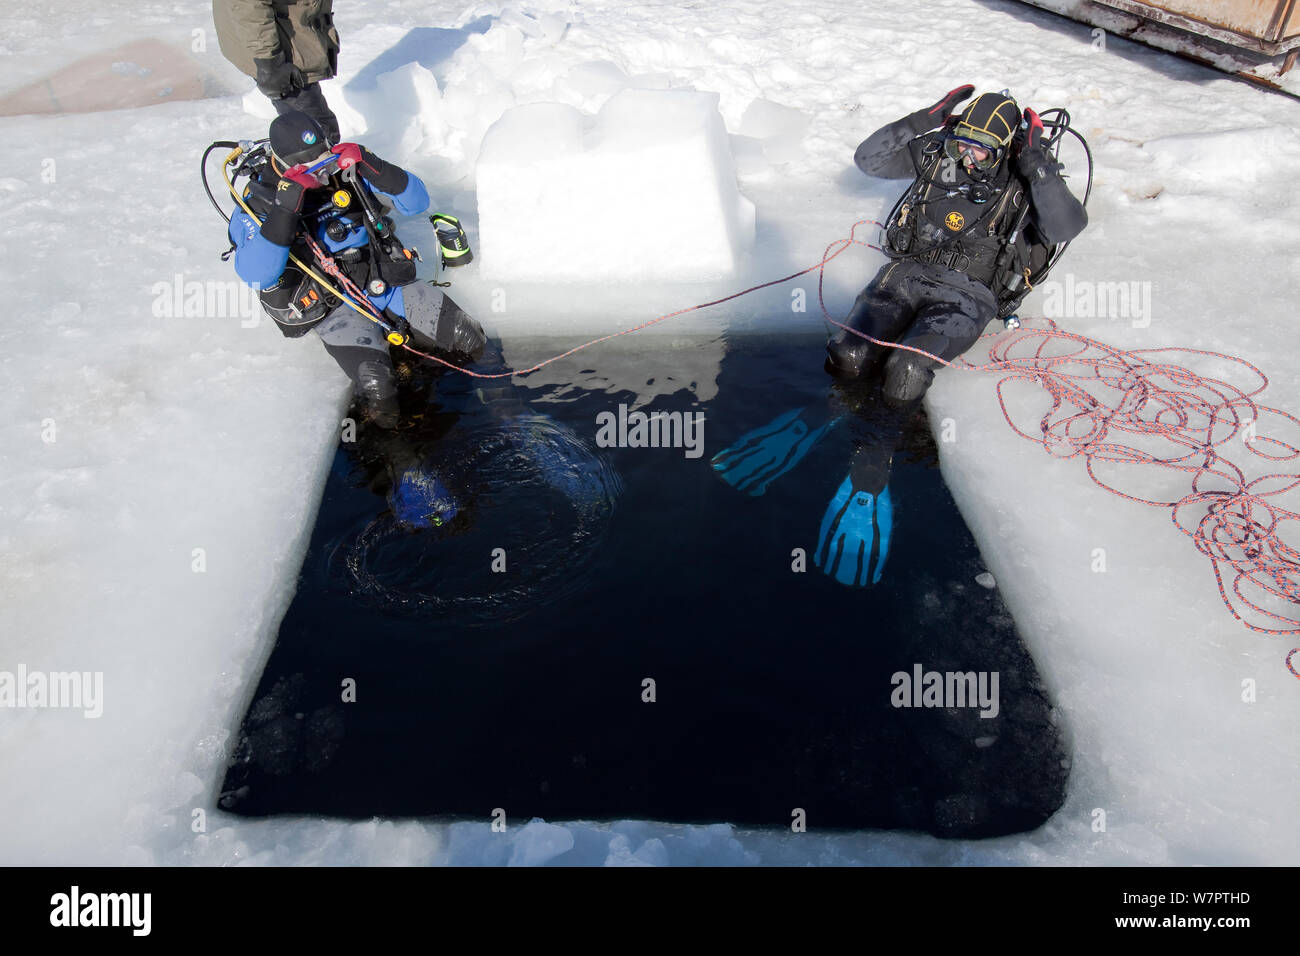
160 472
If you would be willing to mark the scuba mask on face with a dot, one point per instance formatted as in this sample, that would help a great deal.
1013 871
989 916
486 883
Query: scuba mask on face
322 167
969 156
988 124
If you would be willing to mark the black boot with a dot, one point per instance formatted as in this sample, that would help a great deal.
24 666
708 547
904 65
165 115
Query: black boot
458 333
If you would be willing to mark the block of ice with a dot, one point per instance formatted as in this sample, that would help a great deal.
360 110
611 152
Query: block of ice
540 842
645 190
779 128
413 105
588 85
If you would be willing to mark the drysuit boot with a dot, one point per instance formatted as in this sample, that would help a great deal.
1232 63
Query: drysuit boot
439 323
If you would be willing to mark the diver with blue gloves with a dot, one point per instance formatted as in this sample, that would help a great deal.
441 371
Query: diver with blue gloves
312 195
985 214
317 242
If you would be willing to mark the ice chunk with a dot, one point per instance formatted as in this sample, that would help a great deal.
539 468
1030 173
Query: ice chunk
645 191
540 842
986 580
588 85
779 128
413 108
651 853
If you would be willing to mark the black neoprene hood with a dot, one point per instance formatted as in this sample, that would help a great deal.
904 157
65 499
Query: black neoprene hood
297 138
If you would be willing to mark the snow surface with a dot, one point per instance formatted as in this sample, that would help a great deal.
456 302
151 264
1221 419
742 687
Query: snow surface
182 432
647 193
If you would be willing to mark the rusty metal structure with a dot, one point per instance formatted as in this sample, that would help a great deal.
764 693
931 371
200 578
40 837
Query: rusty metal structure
1256 39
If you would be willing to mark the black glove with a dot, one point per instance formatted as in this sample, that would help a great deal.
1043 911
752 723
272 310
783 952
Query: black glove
1033 162
943 109
278 77
293 185
281 223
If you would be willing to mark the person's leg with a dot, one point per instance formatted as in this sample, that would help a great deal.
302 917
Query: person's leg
858 524
761 456
441 326
881 310
886 310
945 326
358 345
311 100
439 323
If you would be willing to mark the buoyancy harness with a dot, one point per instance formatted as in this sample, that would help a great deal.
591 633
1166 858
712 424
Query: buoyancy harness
338 216
986 232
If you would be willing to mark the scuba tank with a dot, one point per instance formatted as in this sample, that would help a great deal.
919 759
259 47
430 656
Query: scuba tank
296 302
303 296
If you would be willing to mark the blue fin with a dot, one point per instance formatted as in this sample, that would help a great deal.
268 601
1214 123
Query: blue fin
760 457
853 543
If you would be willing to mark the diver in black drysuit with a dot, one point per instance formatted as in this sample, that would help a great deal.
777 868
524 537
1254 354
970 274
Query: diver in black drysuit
952 265
949 267
941 290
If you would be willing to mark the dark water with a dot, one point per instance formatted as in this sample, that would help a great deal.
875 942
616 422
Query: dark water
523 690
